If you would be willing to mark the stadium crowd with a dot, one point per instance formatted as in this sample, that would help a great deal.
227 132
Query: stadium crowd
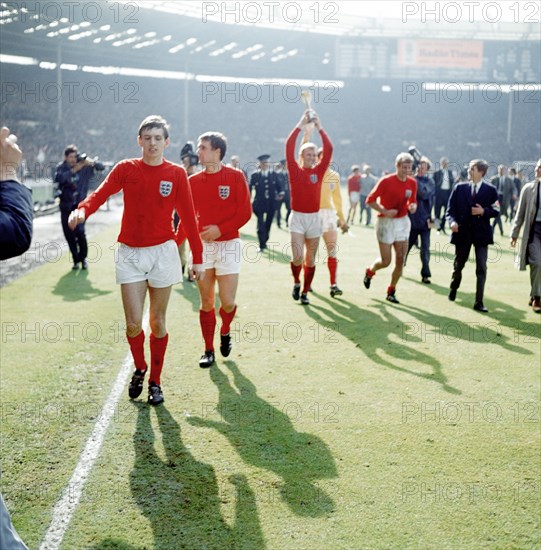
100 112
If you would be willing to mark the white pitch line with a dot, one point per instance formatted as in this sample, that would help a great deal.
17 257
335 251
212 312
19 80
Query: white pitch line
65 507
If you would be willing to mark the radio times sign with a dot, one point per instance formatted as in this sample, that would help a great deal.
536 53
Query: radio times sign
463 54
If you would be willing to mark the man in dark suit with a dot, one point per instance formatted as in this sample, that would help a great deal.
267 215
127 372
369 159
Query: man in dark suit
506 189
268 188
444 181
72 179
517 186
470 208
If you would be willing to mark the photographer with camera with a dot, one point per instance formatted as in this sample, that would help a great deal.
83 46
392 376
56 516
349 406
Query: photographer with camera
72 178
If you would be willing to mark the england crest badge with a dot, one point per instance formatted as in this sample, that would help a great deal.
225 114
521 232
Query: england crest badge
223 191
165 188
313 178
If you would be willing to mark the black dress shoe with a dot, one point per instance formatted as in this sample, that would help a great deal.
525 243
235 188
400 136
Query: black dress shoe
452 294
478 306
426 280
207 359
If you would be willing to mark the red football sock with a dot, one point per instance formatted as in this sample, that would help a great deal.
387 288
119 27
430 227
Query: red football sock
226 319
308 278
390 289
369 272
296 270
332 264
137 346
207 320
157 353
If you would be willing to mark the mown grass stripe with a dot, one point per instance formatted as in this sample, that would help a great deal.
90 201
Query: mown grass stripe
65 507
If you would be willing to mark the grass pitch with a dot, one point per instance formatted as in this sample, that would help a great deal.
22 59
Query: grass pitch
350 423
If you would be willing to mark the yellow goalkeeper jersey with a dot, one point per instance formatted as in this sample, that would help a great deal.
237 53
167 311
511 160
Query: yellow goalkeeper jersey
330 193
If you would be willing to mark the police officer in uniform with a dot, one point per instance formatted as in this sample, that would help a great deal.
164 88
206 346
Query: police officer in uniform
268 189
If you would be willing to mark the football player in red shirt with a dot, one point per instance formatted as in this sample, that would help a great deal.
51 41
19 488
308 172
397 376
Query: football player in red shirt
147 258
305 179
393 197
222 204
354 191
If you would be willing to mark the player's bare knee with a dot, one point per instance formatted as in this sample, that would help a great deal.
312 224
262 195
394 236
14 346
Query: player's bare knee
228 305
157 327
133 329
207 305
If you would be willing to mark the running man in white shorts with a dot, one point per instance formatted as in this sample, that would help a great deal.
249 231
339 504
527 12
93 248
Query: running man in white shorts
393 197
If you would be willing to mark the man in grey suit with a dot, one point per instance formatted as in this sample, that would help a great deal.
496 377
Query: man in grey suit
506 188
529 216
368 182
444 181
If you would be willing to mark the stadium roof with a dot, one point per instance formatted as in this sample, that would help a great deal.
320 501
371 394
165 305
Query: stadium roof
242 38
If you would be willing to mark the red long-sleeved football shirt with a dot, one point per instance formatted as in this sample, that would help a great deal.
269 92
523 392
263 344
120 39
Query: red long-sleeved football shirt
151 194
394 193
305 183
221 199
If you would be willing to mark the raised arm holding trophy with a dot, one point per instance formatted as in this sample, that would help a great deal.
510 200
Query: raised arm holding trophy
306 177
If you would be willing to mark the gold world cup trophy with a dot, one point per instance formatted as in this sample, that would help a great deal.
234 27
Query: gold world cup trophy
306 97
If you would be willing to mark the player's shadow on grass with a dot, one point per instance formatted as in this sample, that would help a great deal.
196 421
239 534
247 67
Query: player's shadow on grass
265 437
277 252
180 496
487 328
75 286
114 544
189 292
372 335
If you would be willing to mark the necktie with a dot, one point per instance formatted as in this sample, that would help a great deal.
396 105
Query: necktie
474 192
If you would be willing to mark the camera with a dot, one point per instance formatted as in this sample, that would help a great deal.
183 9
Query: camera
412 150
98 166
188 152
